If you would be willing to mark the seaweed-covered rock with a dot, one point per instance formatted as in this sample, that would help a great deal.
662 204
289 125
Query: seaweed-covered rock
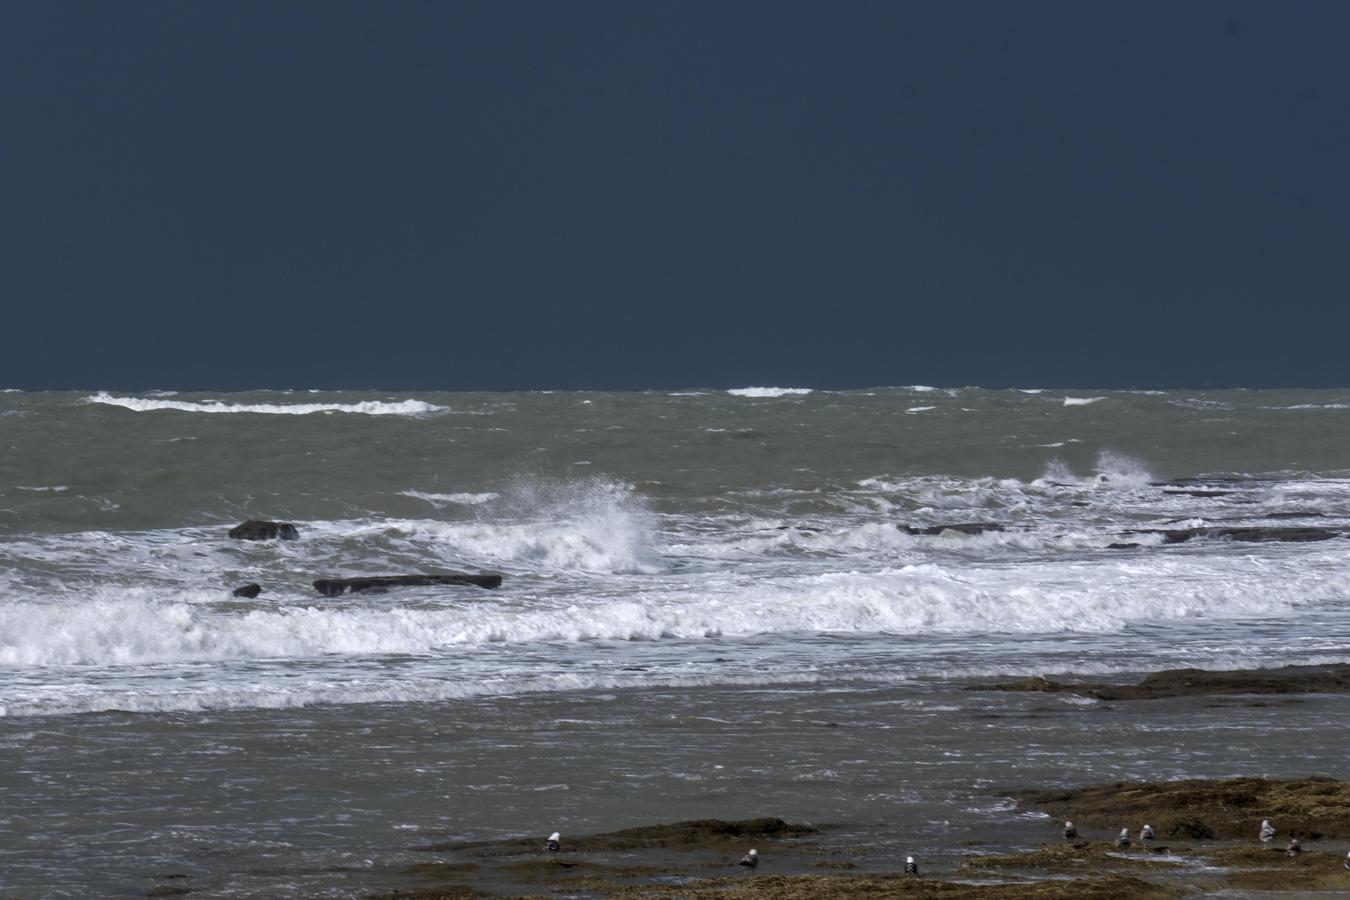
260 530
1304 808
248 591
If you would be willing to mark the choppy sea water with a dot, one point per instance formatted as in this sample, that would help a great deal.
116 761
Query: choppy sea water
712 606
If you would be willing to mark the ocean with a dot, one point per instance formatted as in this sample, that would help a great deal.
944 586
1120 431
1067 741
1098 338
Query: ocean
715 603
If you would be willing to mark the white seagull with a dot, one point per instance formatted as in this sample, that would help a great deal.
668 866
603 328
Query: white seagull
1069 831
1123 841
1146 833
554 842
1267 832
911 867
750 860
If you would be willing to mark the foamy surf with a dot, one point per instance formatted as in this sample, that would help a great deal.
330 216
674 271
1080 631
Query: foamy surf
365 407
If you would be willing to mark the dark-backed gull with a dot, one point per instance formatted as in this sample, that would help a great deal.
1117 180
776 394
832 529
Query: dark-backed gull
1146 833
1295 848
911 867
1123 841
750 860
554 842
1267 831
1069 831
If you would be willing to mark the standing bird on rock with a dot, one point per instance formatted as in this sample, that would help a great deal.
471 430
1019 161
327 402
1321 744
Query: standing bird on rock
911 867
1295 848
1347 860
750 860
1267 832
1069 831
1123 841
1146 833
554 843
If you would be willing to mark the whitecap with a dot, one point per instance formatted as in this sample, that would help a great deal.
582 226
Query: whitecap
768 392
464 499
366 407
1081 401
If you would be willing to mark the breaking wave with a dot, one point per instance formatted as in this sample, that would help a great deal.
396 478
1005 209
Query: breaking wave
135 626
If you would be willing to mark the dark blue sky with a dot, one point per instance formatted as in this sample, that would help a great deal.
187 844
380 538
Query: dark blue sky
631 194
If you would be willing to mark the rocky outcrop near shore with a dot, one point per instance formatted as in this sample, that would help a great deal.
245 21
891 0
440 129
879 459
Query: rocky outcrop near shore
333 587
262 530
690 861
1330 679
1307 808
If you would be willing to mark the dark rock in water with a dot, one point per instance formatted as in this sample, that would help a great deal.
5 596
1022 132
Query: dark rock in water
1331 679
1248 534
249 590
259 530
1120 545
962 527
332 587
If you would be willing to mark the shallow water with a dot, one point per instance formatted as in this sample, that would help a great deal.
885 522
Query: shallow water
699 586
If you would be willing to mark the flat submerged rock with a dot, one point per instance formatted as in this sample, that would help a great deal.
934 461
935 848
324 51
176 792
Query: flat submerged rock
697 833
333 587
1329 679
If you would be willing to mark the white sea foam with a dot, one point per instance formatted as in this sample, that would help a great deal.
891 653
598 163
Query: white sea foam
366 407
357 691
1311 406
120 627
1081 401
768 392
919 409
